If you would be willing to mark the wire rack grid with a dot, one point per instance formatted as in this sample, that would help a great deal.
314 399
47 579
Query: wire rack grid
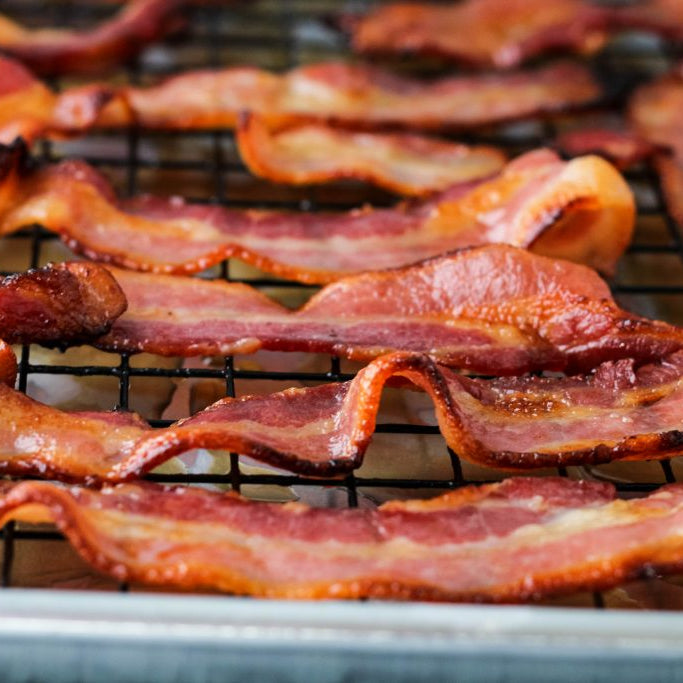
205 167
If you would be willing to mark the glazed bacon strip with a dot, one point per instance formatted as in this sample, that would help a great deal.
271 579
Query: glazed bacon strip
497 310
482 32
582 210
517 540
404 163
616 413
52 52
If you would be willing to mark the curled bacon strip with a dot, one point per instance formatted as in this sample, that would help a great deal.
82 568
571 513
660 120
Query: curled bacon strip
617 413
52 52
30 110
582 210
517 540
495 310
404 163
483 32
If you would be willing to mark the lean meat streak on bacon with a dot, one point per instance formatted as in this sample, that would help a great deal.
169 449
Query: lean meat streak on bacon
482 32
404 163
582 210
496 310
517 540
617 413
52 52
504 34
334 92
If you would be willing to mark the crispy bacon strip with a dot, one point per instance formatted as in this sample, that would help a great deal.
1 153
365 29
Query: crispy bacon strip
66 303
482 32
495 310
516 540
30 110
58 51
617 413
350 95
582 210
404 163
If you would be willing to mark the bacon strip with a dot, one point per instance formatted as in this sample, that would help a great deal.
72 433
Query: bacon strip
617 413
482 32
66 303
57 51
582 210
403 163
513 541
30 110
495 310
622 147
664 17
350 95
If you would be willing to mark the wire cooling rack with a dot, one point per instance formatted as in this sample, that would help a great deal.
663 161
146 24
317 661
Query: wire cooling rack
205 167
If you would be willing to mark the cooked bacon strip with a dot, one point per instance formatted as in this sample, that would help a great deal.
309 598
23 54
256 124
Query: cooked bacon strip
403 163
58 51
622 147
482 32
617 413
664 17
30 110
59 304
495 310
582 210
351 95
517 540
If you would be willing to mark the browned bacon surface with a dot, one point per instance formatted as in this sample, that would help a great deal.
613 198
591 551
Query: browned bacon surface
350 94
30 110
483 32
58 51
495 310
60 304
616 413
517 540
405 163
582 210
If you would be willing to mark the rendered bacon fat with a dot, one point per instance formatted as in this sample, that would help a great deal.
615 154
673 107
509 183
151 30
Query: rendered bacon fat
404 163
495 310
55 51
617 413
582 210
483 32
59 304
517 540
347 94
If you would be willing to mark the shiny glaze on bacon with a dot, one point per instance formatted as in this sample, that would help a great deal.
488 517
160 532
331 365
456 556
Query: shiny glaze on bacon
495 310
30 110
404 163
616 413
517 540
347 94
482 32
58 51
582 210
65 303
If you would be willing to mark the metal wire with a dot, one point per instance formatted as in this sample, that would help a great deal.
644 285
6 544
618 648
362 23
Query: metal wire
281 35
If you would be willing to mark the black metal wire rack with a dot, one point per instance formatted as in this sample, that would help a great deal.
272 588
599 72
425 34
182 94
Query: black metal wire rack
205 167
